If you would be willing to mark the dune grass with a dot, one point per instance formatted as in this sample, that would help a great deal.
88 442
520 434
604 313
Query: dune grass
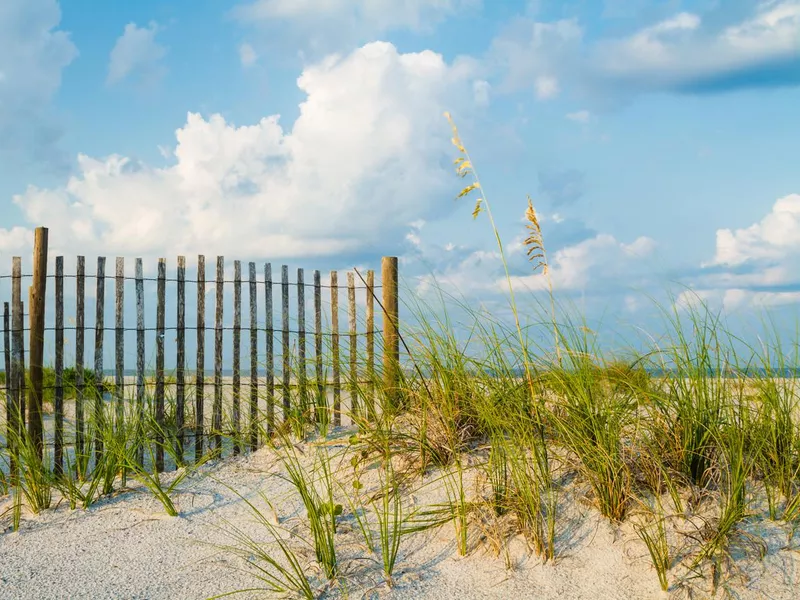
676 443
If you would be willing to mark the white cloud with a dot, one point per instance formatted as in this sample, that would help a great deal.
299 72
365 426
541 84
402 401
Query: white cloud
136 53
247 55
580 266
735 298
692 300
34 54
681 54
756 265
602 257
677 52
774 237
580 116
367 155
330 24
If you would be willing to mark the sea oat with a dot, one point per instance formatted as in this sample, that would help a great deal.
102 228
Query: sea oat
464 167
534 242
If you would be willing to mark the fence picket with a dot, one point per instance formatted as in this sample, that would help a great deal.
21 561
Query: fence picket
119 339
321 409
159 396
58 434
337 391
253 358
370 375
285 355
270 335
180 360
200 370
99 331
237 337
352 345
80 384
140 382
301 343
216 416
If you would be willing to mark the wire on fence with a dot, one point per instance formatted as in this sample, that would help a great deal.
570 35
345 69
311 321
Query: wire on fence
209 329
111 278
191 375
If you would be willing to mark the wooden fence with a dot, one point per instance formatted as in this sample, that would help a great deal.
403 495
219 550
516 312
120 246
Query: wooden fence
24 395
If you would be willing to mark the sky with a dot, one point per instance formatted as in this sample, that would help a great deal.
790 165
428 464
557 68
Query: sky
658 141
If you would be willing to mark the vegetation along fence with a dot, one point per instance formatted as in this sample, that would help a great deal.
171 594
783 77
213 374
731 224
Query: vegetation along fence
306 386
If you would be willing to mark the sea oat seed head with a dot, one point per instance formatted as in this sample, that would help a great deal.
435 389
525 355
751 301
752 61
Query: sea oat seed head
534 242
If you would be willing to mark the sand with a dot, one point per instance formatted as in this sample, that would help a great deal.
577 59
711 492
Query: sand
126 547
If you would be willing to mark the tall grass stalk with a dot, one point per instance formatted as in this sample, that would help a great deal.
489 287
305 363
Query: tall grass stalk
389 515
654 535
460 508
321 511
281 572
33 474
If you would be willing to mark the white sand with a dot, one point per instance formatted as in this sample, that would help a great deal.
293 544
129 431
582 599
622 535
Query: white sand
125 547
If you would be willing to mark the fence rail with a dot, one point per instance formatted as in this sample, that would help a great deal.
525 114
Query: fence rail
25 395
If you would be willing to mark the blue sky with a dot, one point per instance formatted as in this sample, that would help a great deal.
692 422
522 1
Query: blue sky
658 139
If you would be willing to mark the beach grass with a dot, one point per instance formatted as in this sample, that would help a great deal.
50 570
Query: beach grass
680 442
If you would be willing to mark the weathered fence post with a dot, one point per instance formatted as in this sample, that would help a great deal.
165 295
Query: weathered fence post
391 340
119 341
140 382
80 384
161 286
285 352
36 308
17 350
180 359
237 354
98 359
352 346
301 341
199 397
58 446
269 335
337 393
10 406
321 409
371 343
253 359
216 410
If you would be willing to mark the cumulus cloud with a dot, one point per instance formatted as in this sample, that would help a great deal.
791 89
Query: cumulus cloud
366 156
681 53
756 265
34 54
598 263
595 261
678 54
137 54
775 237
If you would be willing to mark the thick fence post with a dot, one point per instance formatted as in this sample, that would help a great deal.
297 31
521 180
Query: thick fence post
36 308
391 339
